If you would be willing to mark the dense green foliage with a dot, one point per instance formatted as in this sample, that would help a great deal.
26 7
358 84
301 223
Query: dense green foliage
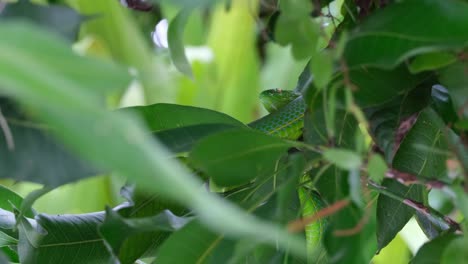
183 178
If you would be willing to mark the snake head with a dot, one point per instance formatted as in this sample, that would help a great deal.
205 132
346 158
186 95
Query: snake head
274 99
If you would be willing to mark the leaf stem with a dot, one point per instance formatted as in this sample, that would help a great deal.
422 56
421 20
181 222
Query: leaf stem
433 215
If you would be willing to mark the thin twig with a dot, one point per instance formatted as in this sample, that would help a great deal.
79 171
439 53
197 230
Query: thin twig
300 224
7 132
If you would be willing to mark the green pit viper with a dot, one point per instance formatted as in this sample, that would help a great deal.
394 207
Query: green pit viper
286 120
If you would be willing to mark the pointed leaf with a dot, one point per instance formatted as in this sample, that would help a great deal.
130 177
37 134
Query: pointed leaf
175 39
238 156
385 42
393 215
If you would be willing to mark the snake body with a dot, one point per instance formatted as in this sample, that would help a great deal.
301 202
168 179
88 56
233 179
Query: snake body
286 120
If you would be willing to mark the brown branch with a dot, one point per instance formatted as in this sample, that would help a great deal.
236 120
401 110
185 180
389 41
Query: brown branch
300 224
408 179
433 215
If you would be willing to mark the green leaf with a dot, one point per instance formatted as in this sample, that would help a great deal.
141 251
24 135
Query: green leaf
6 240
385 119
244 155
432 251
175 37
160 117
431 61
182 139
393 215
353 248
115 140
301 32
116 230
455 252
426 138
191 244
385 42
321 65
11 200
57 18
455 79
343 158
377 86
34 155
63 237
376 168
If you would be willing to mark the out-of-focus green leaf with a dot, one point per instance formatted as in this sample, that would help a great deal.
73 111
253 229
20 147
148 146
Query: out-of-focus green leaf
321 65
393 215
60 238
342 158
160 117
455 252
376 168
426 138
301 32
116 230
431 61
385 42
432 251
118 32
244 155
175 36
53 164
57 18
455 79
116 140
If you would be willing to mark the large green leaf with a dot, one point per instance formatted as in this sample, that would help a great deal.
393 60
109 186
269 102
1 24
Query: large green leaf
34 155
455 252
62 238
182 139
422 26
392 215
244 155
377 86
115 141
432 251
160 117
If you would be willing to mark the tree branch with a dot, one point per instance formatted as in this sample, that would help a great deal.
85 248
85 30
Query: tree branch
432 214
